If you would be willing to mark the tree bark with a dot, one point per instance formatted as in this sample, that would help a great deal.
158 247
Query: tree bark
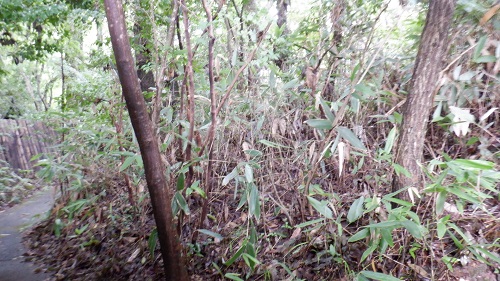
429 61
161 196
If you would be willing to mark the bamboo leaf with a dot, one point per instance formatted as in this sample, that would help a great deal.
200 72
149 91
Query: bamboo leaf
230 176
322 124
238 254
480 47
254 202
378 276
356 210
248 173
211 233
181 181
362 234
128 161
272 144
473 164
348 135
326 110
321 207
413 228
182 203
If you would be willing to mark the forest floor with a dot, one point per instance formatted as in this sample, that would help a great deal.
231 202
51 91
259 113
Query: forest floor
13 221
100 236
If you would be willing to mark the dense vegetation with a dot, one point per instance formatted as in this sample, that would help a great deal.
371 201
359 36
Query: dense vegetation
278 125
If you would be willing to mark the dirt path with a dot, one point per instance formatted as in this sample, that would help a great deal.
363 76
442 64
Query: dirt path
12 222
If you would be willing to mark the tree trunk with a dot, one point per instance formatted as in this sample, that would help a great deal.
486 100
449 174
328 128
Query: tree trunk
431 54
143 127
282 6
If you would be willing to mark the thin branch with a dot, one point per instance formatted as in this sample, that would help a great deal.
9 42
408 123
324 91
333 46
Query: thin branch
242 68
190 88
213 107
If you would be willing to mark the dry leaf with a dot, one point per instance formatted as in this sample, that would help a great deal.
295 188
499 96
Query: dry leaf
274 128
282 125
296 233
341 147
419 270
312 150
246 146
489 14
134 255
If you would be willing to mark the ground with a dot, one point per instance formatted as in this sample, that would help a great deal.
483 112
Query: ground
12 223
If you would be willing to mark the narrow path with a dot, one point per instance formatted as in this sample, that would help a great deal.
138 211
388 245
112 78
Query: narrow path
12 222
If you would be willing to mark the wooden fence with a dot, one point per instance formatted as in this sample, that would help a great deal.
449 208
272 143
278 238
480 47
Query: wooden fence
20 140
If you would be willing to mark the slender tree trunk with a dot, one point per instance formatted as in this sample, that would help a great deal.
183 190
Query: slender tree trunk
160 194
430 57
282 6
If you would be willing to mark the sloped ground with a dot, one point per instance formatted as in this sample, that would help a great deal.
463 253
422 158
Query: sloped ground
95 234
15 186
99 236
12 222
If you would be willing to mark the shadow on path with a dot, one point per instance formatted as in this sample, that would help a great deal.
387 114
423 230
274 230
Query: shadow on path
12 222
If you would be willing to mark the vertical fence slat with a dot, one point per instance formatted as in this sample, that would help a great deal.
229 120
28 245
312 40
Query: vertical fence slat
21 140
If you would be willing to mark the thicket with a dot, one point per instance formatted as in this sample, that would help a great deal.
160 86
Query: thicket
298 173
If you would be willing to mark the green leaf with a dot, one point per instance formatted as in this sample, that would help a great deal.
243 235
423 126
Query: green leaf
37 156
253 152
251 261
389 143
272 144
80 230
348 135
181 180
488 254
387 236
401 170
254 202
364 89
385 224
248 173
326 110
459 192
441 226
355 71
399 201
322 124
196 188
230 176
440 200
128 161
272 80
473 164
308 223
378 276
253 239
237 254
413 228
182 202
211 233
467 76
321 207
152 242
362 234
233 276
361 277
480 46
368 251
291 84
356 210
